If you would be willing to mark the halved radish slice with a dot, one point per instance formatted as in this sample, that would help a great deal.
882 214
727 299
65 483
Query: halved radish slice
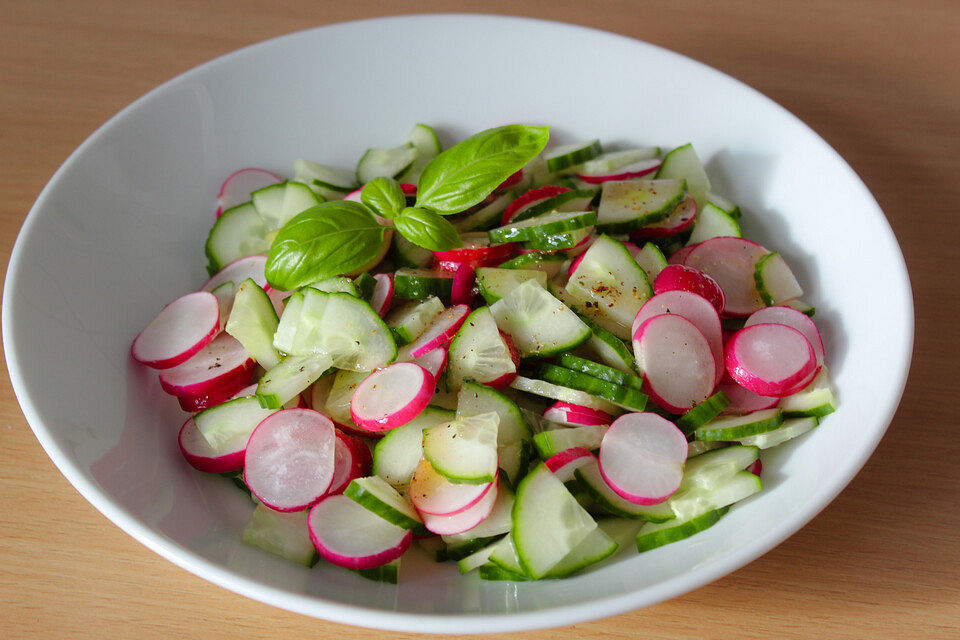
529 199
222 363
433 361
466 519
476 250
180 330
770 359
382 296
680 255
563 464
678 221
193 404
202 457
694 308
744 401
629 172
351 460
462 287
575 415
438 334
792 318
433 494
731 262
238 186
392 396
677 362
680 277
238 271
642 457
289 460
349 535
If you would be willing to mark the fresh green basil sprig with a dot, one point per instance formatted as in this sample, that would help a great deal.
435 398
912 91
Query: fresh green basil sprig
337 237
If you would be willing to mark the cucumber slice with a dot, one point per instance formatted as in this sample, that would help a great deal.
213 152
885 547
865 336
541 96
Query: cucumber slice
788 431
410 321
389 573
707 469
283 534
571 155
683 163
651 260
337 284
330 183
424 140
365 284
703 412
337 406
559 241
573 200
478 352
814 401
600 371
285 381
491 571
495 283
476 399
513 460
591 481
375 495
278 203
692 499
407 254
654 535
557 392
396 455
419 284
505 556
486 216
607 163
805 308
775 281
610 284
539 324
238 232
713 222
233 421
464 451
610 349
468 548
550 224
552 442
547 522
253 321
385 163
697 447
626 397
549 263
724 205
628 205
727 428
595 547
477 558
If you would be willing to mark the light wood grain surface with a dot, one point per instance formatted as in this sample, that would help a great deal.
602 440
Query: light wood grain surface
879 79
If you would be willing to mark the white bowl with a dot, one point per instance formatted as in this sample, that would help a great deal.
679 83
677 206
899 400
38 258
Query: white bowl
119 231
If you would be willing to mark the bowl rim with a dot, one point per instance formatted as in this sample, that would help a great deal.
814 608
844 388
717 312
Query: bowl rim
555 616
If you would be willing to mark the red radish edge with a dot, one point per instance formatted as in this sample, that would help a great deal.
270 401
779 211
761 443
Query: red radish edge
238 186
770 359
633 170
238 271
575 415
792 318
756 468
679 220
680 255
382 296
433 361
529 198
179 331
440 332
351 460
221 363
201 456
462 287
642 457
563 464
318 519
464 520
683 373
679 277
460 496
743 401
504 381
392 396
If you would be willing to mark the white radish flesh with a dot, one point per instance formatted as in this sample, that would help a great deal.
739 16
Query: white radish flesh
731 262
203 457
792 318
348 535
744 401
563 464
238 186
382 296
464 520
770 359
677 362
433 494
351 460
575 415
392 396
180 330
642 457
438 334
238 271
222 363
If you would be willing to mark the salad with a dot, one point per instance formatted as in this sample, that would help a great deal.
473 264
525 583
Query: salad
523 358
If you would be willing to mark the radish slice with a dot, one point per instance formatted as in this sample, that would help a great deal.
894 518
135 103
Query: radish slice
744 401
770 359
476 251
629 172
756 468
792 318
529 199
438 334
678 277
222 363
289 460
193 404
433 361
348 535
392 396
731 262
563 464
202 457
277 298
382 296
680 255
238 271
180 330
575 415
433 494
351 460
238 186
677 361
694 308
225 296
678 221
462 287
642 457
466 519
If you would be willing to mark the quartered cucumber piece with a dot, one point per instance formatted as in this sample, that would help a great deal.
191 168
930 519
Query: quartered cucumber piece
420 284
410 321
627 397
703 412
683 163
789 430
478 352
573 200
597 546
337 284
478 558
495 283
775 281
714 480
396 455
505 556
385 163
591 481
407 254
374 494
549 263
654 535
713 222
337 406
610 349
485 216
289 378
651 260
253 321
709 468
558 392
427 145
697 447
727 428
476 399
724 205
330 183
628 205
543 226
600 371
608 163
815 400
558 242
552 442
805 308
388 573
513 460
283 534
539 324
238 232
571 155
491 571
365 284
465 450
231 422
278 203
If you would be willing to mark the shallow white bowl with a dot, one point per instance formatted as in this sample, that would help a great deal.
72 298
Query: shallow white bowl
119 231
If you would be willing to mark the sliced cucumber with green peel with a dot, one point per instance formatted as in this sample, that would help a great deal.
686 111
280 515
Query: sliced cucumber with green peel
407 254
708 467
805 308
396 455
727 428
600 371
375 495
253 321
293 375
697 447
464 451
478 558
549 263
420 284
789 430
540 227
558 242
591 481
683 163
513 460
610 349
775 281
470 547
571 155
410 321
337 284
626 397
552 442
494 283
365 284
337 406
558 392
724 205
814 401
539 324
573 200
238 232
486 216
278 203
491 571
505 556
654 535
283 534
628 205
424 140
330 183
388 573
476 399
597 546
232 420
713 222
692 500
478 352
651 260
703 412
608 163
385 163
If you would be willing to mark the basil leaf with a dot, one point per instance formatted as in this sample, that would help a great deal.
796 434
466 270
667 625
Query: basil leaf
469 171
329 239
384 196
427 229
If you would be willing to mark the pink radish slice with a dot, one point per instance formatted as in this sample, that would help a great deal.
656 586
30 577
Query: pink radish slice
193 404
679 220
744 401
440 332
433 494
277 298
351 460
349 535
575 415
680 255
792 318
222 363
770 359
515 178
238 271
563 464
392 396
678 277
465 520
677 361
528 199
238 186
756 468
382 296
731 262
477 251
637 169
433 361
694 308
202 457
462 287
290 459
180 330
353 196
642 457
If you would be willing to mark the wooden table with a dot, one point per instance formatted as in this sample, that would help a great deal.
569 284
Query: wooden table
879 79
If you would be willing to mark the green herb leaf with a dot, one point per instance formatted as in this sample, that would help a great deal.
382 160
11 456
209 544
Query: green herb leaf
326 240
427 229
469 171
384 196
